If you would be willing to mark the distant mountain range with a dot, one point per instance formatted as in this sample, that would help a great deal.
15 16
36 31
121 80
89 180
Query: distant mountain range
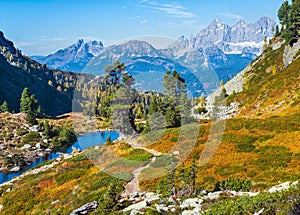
74 57
216 52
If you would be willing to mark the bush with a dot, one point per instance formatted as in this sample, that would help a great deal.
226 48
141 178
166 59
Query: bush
31 137
286 202
200 110
21 132
235 184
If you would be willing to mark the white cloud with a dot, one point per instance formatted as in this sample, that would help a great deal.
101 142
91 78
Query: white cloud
232 16
135 17
144 21
172 9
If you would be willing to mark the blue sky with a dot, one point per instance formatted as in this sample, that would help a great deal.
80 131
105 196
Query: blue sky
40 27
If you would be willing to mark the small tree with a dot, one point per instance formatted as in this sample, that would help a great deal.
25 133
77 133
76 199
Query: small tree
47 129
4 107
108 140
277 32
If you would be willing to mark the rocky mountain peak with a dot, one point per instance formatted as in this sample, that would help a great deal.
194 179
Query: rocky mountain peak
79 42
73 57
9 45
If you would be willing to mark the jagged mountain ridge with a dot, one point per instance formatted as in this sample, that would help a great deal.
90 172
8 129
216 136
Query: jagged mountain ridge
227 49
217 51
236 39
73 58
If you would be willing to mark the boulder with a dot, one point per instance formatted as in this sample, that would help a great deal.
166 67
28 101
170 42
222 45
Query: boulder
36 128
26 146
38 145
15 169
161 208
284 186
85 209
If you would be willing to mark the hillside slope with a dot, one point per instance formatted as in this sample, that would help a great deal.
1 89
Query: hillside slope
271 84
264 150
53 88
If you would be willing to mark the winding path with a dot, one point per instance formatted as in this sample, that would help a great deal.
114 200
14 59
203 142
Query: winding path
133 185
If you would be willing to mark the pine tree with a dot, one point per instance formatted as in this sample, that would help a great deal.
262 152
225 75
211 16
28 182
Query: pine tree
25 104
283 13
173 117
294 20
28 105
4 107
169 84
289 16
47 130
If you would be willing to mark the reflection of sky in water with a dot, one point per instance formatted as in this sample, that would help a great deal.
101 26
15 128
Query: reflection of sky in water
82 143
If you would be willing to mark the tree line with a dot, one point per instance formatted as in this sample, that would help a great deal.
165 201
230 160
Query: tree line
126 109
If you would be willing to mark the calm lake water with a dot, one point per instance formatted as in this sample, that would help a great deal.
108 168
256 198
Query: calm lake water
83 142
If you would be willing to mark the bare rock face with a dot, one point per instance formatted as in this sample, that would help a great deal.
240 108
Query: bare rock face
290 54
85 209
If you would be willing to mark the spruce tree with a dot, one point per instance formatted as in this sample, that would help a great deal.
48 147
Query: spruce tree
283 13
47 129
4 107
28 105
294 20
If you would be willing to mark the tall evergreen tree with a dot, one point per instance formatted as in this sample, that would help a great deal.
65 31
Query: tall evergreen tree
47 129
283 13
173 117
294 20
28 105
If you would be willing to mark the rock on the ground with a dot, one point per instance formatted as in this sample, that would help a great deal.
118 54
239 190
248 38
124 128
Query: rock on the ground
284 186
191 203
136 207
85 209
162 208
259 212
36 128
26 146
277 45
15 169
213 195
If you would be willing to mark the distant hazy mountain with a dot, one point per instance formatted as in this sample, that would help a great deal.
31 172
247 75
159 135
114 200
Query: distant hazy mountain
123 53
74 57
218 51
236 39
227 49
147 64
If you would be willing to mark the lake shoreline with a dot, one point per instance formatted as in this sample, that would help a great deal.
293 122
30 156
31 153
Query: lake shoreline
83 141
